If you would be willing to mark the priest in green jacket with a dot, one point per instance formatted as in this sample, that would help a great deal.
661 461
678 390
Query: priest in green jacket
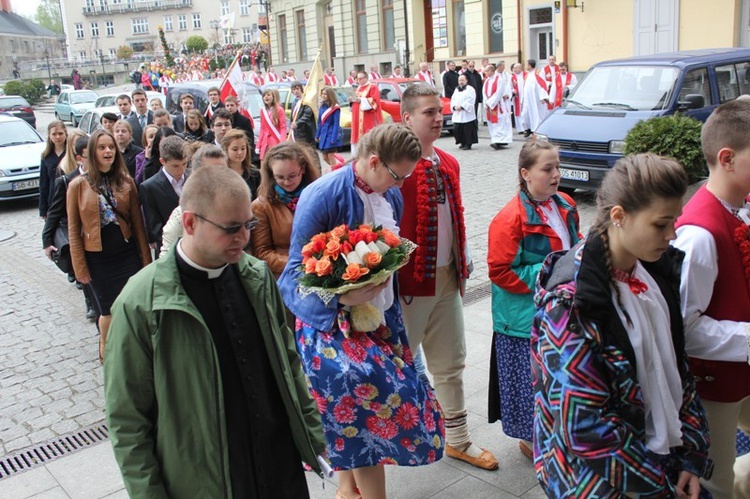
205 394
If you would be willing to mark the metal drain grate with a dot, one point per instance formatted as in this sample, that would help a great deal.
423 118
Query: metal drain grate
477 293
42 454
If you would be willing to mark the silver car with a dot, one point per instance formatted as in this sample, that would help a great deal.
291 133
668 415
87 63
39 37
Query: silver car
20 156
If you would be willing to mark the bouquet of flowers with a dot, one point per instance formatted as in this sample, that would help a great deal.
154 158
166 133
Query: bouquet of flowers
344 259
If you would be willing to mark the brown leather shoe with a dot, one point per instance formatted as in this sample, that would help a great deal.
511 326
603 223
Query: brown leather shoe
485 461
526 450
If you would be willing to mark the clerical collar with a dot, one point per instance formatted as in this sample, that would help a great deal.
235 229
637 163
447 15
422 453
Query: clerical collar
211 273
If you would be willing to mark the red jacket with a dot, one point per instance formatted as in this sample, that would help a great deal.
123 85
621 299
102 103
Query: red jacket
419 223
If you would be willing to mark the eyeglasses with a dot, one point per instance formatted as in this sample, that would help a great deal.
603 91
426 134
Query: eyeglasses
232 229
393 174
289 178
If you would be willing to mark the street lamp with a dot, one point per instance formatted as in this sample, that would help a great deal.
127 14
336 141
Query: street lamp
215 24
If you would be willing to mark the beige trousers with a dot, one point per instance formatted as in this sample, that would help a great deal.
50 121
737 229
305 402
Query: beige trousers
437 323
723 421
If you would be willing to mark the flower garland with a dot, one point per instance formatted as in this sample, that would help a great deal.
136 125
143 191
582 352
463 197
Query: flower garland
742 238
425 201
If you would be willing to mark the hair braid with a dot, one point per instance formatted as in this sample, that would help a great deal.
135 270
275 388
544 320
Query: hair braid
608 262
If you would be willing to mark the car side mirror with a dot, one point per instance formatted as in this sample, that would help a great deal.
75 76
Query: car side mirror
566 92
692 101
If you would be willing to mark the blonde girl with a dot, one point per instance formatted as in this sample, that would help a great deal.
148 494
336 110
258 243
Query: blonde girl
68 162
57 135
236 146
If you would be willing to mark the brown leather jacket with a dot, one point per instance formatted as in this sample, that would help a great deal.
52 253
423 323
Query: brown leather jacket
272 236
84 228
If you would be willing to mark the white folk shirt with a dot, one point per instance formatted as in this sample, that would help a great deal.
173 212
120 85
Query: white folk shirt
706 337
534 108
656 363
464 99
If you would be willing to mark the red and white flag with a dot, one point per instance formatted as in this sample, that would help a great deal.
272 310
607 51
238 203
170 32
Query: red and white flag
232 85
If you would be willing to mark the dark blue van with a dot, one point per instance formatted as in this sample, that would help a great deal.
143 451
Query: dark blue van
590 126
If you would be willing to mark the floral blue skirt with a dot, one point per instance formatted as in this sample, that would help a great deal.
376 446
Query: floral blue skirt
374 408
516 386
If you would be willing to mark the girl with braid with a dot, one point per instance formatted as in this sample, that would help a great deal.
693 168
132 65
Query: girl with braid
616 410
537 221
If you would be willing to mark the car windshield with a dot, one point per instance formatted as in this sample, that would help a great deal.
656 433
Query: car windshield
629 88
83 97
344 94
12 102
13 133
253 101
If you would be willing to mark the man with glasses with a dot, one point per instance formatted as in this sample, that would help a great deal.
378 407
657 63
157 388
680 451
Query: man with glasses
204 390
220 125
431 284
365 109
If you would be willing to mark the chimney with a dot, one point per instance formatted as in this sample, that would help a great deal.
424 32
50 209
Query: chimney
5 6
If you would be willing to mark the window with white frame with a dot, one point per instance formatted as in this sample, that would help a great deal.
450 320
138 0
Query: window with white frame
182 22
139 25
224 7
244 7
113 54
110 25
79 31
299 18
196 21
227 36
94 30
168 23
247 35
82 56
90 6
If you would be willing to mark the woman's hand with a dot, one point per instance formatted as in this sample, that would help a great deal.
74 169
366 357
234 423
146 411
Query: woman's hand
49 250
688 486
84 280
362 295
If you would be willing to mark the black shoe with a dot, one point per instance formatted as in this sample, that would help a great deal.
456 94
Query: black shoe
91 314
495 146
502 144
527 134
71 278
467 147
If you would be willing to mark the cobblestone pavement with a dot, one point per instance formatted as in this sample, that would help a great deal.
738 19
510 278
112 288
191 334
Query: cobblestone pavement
50 379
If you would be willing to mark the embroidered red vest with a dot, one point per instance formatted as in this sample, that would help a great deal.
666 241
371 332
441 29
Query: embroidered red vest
721 381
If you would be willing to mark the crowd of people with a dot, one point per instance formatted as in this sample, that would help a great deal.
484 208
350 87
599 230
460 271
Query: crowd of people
622 355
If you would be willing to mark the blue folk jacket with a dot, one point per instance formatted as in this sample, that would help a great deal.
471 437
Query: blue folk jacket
329 131
323 205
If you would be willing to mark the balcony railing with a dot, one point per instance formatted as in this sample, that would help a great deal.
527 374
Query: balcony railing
122 8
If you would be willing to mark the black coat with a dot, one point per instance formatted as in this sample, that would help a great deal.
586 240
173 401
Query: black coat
129 157
158 199
136 126
47 174
450 82
178 122
150 168
57 213
306 126
475 80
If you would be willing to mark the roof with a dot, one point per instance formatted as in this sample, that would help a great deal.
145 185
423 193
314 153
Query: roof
13 24
684 57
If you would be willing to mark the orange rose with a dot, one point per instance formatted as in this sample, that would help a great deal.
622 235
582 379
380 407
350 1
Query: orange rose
310 265
323 267
390 238
333 248
308 250
373 259
322 237
364 228
354 272
339 231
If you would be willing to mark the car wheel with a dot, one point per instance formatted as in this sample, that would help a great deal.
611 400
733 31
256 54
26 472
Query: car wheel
73 120
57 116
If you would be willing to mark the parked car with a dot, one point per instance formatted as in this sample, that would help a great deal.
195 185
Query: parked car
20 156
18 107
391 90
91 120
107 100
344 94
590 127
250 98
71 105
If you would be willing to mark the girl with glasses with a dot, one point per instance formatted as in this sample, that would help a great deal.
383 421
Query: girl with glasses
374 407
286 171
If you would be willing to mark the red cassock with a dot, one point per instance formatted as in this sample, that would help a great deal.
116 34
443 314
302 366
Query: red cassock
366 120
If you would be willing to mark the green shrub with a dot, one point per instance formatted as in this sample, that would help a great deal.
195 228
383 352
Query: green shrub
677 136
31 90
196 43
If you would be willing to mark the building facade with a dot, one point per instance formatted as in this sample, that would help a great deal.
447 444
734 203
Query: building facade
97 28
23 42
363 33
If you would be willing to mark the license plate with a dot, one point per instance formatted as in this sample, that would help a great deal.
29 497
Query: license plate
448 122
27 184
580 175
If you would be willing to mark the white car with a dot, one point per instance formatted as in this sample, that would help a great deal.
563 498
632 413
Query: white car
92 120
20 156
